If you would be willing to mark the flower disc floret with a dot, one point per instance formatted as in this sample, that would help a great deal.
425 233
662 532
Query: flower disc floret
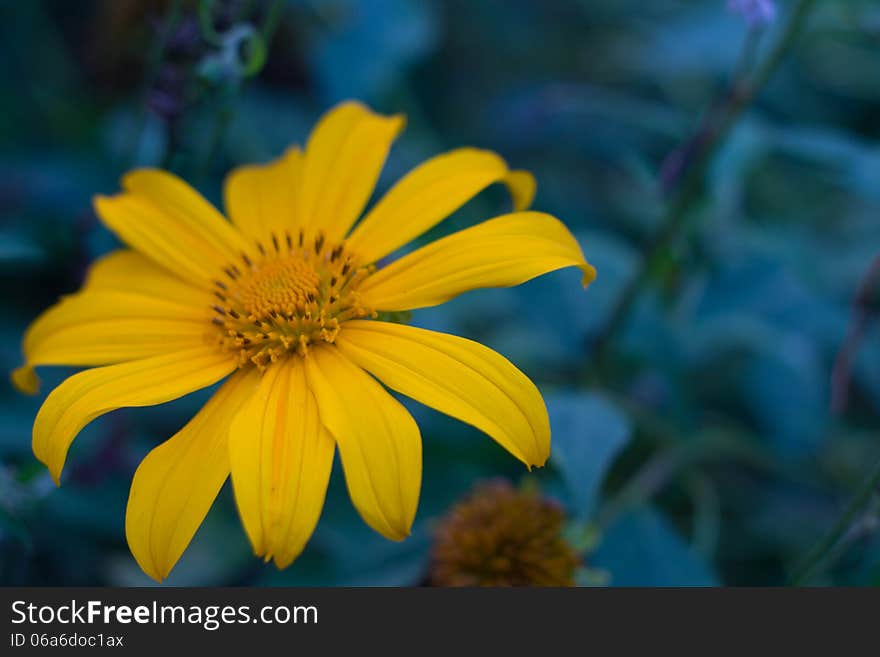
293 293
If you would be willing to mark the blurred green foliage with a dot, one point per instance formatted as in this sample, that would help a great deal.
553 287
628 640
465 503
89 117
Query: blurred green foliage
703 451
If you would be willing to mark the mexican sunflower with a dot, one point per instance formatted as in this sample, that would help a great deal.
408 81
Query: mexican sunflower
282 302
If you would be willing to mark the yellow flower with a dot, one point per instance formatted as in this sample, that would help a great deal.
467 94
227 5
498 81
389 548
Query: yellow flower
281 302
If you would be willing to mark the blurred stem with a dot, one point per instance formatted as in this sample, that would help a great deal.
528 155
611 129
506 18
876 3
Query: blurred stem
666 436
154 62
863 312
707 514
817 557
227 111
696 157
657 473
272 20
206 23
749 53
221 122
649 480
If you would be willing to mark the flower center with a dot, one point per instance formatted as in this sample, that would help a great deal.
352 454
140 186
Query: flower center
296 292
502 536
285 286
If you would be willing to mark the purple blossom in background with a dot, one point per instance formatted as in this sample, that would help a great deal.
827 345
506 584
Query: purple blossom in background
756 12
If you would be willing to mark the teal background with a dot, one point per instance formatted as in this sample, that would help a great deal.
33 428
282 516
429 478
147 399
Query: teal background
704 450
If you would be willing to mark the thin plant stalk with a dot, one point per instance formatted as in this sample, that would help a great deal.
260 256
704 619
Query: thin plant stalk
688 182
817 557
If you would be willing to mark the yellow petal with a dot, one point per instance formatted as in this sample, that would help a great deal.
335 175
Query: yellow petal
261 199
168 221
343 159
430 193
522 186
379 442
129 271
458 377
99 328
175 485
89 394
281 458
501 252
129 308
25 380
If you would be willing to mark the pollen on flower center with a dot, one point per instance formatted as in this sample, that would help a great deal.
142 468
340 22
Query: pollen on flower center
297 291
285 285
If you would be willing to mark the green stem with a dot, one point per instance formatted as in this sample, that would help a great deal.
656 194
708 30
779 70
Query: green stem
227 111
272 20
812 563
709 138
206 23
663 468
218 132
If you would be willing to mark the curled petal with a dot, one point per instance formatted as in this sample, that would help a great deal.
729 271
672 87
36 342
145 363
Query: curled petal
458 377
89 394
501 252
430 193
129 308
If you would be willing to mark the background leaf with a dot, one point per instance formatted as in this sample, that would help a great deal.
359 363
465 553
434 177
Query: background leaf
588 432
641 549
